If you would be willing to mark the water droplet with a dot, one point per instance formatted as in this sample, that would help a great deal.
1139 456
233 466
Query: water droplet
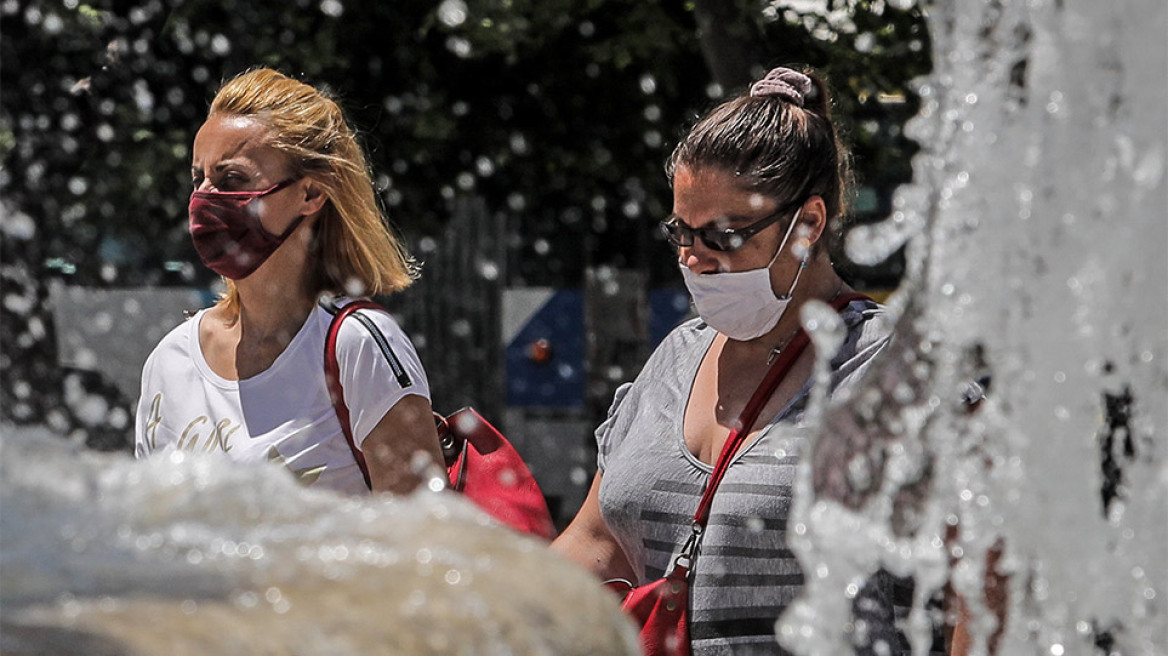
452 13
460 328
220 45
459 46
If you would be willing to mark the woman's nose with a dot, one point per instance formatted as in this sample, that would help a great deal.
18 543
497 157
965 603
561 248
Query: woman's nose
697 258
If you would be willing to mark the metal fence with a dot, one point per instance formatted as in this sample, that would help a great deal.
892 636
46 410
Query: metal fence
452 313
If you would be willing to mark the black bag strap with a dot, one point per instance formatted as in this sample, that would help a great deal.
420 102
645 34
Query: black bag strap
332 369
340 314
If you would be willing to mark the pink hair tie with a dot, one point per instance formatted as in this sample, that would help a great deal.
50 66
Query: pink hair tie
784 83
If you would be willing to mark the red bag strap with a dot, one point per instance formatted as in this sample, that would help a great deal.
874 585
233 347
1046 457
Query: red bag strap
754 406
332 371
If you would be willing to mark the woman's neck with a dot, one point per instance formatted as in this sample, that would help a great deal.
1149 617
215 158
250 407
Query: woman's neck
273 303
266 318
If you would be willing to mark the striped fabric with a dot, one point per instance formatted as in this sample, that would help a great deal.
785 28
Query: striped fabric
745 575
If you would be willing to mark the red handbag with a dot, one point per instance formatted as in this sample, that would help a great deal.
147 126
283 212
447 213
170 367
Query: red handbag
480 462
661 608
486 469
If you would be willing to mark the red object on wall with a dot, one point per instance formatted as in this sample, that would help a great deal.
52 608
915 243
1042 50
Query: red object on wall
540 351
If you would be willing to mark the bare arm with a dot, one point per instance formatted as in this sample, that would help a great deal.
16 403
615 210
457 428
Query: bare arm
997 585
588 542
402 446
960 642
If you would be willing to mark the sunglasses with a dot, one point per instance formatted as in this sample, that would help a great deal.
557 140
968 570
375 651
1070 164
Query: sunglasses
717 239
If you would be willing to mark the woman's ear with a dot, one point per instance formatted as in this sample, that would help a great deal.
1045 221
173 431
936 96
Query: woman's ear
813 218
314 198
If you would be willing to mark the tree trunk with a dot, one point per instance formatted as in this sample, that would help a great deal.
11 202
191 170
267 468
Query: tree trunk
731 41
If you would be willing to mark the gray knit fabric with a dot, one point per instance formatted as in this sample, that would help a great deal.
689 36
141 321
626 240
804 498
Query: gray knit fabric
745 575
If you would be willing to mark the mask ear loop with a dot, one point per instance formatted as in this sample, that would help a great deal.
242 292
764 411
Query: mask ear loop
790 228
802 265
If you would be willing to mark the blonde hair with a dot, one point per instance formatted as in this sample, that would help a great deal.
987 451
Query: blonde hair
354 251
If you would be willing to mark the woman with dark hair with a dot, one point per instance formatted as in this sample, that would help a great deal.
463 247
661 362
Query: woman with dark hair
758 187
284 209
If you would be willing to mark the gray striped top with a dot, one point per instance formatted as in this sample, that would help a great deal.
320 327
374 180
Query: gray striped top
745 574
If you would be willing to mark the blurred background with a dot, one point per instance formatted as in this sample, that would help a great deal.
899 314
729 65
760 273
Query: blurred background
517 146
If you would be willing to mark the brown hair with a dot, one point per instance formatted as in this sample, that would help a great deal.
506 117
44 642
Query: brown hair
355 251
783 145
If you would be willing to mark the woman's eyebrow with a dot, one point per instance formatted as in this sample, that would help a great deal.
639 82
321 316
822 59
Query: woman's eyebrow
219 166
235 161
717 222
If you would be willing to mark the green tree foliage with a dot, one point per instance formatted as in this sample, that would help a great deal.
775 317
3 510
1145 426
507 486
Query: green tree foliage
559 113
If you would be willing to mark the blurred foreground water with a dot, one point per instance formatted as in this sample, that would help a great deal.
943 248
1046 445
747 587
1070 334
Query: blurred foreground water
184 555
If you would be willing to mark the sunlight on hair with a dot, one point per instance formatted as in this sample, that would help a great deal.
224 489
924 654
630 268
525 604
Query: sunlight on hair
309 127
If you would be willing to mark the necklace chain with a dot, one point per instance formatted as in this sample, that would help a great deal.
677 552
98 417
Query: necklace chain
774 353
780 346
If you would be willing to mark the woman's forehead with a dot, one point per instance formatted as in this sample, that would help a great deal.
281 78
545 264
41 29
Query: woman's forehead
714 191
232 137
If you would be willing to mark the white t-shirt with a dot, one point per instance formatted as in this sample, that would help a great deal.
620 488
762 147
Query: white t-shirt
283 414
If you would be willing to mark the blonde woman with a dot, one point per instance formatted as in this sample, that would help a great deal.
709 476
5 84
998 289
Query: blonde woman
283 208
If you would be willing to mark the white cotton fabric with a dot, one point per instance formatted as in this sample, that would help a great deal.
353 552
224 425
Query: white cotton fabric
283 414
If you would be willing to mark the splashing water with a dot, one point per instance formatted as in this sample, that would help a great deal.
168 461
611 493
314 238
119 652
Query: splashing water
188 555
1037 256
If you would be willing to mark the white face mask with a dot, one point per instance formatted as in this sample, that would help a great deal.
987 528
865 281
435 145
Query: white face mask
741 305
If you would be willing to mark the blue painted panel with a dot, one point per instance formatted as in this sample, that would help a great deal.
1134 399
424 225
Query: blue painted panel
668 307
558 382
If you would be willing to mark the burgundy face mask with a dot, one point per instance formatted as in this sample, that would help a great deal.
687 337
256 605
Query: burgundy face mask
229 237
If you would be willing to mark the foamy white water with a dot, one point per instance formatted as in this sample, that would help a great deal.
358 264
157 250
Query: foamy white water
102 554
